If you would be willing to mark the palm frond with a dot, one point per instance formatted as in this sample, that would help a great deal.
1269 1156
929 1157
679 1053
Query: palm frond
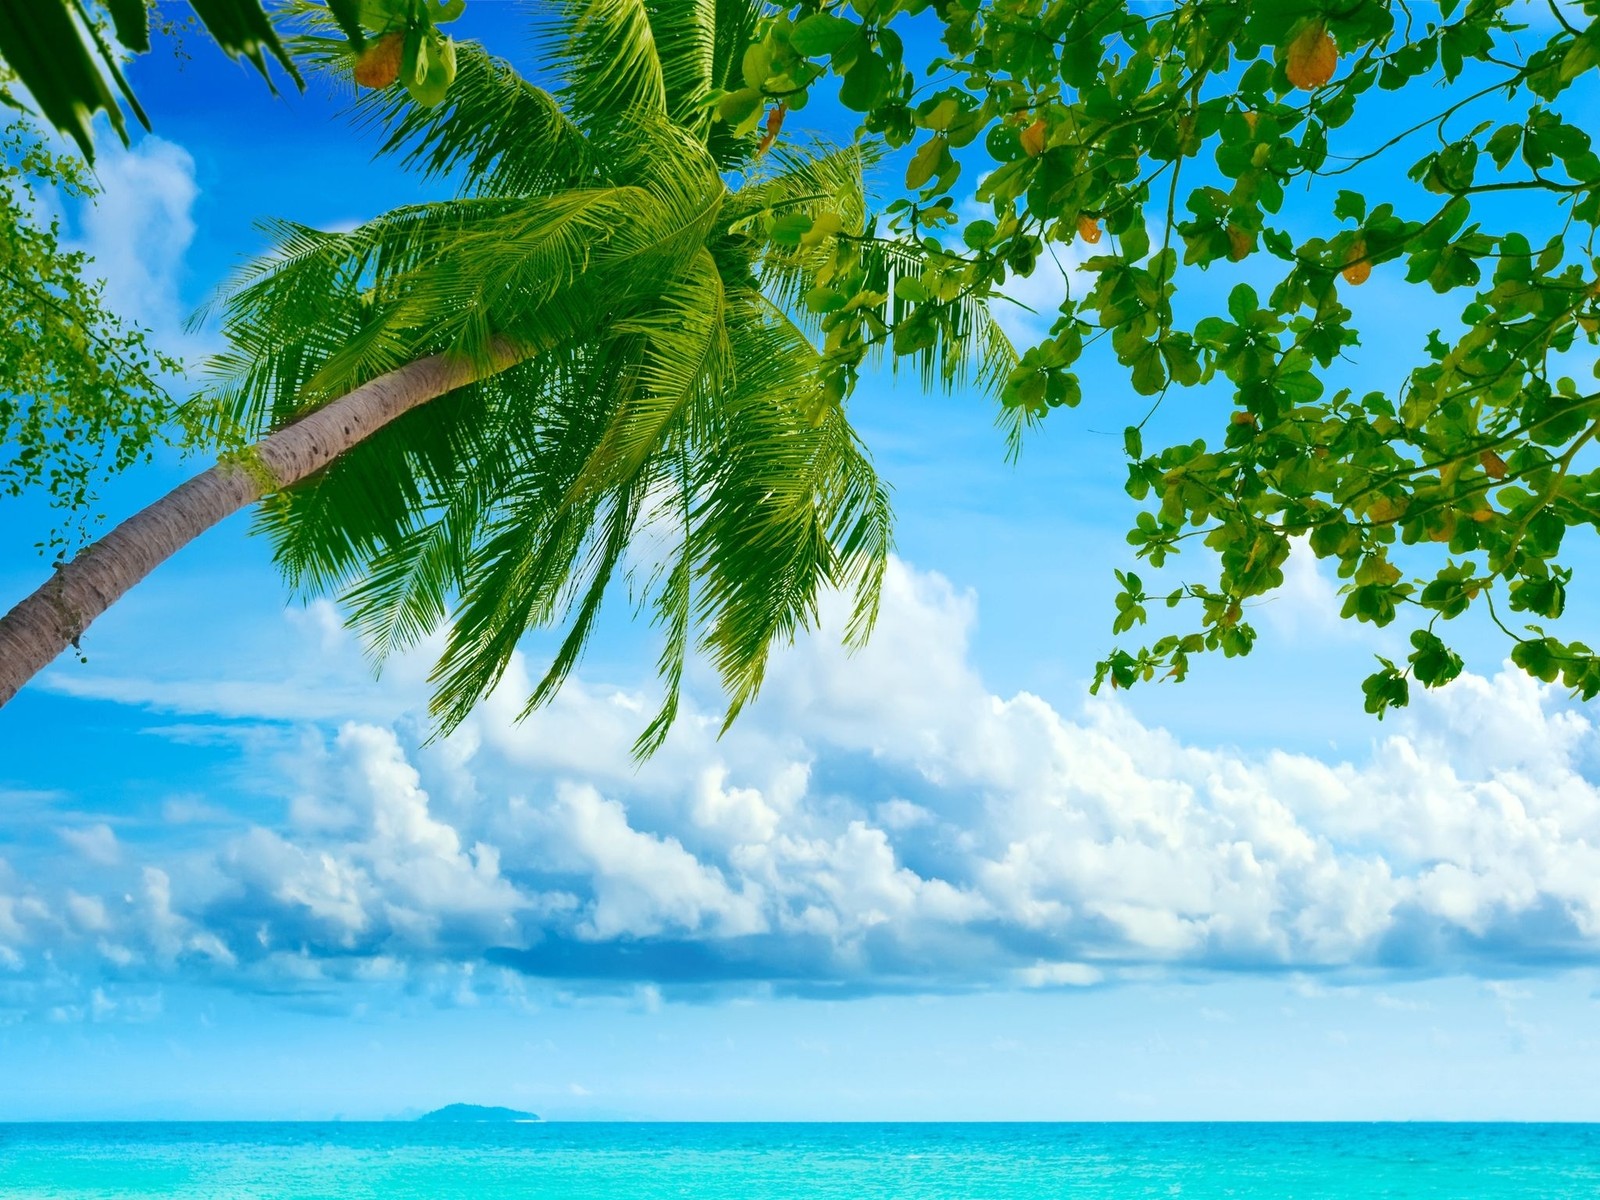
814 176
736 22
701 45
684 355
685 34
495 132
673 610
546 544
338 525
667 405
329 311
399 586
789 507
606 56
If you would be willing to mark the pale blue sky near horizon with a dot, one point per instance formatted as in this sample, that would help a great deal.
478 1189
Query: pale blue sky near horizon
931 881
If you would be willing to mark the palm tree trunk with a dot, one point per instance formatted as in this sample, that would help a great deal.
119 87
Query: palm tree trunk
53 618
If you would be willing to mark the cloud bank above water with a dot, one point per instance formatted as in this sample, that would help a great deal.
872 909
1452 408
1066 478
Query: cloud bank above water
879 822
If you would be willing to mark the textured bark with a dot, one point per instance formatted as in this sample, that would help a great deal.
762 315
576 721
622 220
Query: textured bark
53 618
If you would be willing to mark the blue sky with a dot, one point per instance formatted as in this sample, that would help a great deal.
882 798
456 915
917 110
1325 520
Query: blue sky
932 880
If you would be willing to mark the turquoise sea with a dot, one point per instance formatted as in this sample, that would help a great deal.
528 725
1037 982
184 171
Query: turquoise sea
397 1161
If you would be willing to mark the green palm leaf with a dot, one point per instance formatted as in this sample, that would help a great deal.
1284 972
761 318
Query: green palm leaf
496 132
667 419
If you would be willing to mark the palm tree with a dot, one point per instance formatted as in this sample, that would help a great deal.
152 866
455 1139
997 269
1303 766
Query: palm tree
476 413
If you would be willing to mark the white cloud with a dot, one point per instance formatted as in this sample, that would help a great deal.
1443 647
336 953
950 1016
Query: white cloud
643 884
742 814
87 913
1059 974
138 231
19 916
1307 605
97 843
418 859
332 892
882 819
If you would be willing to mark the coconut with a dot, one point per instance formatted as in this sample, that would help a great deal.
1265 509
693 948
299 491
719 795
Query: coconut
379 64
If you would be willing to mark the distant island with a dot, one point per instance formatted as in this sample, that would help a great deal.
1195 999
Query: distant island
462 1114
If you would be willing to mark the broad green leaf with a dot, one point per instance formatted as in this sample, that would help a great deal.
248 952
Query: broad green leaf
822 33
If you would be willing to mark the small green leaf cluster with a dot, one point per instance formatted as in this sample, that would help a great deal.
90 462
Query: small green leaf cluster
1176 133
82 391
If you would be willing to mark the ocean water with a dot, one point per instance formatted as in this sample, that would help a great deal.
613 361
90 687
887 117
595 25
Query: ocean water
787 1162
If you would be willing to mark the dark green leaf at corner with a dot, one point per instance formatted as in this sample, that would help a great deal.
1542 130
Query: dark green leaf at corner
348 14
131 20
70 71
243 30
44 45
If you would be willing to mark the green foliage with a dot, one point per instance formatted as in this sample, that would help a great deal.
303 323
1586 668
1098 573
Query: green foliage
381 42
62 51
668 421
81 391
59 50
1177 132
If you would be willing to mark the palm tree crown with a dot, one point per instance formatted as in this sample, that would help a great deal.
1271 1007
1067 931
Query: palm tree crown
666 415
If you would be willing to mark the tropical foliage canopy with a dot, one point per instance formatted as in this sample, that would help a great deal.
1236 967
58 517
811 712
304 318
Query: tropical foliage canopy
67 53
645 263
1214 179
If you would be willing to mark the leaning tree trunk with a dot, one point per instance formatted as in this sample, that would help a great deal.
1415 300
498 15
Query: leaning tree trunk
53 618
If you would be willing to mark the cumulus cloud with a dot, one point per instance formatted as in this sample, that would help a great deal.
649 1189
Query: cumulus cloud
878 821
397 878
97 843
139 231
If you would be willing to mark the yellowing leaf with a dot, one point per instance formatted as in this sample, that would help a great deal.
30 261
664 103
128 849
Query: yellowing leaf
925 162
942 114
1313 58
824 226
738 107
1033 138
1357 269
774 127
